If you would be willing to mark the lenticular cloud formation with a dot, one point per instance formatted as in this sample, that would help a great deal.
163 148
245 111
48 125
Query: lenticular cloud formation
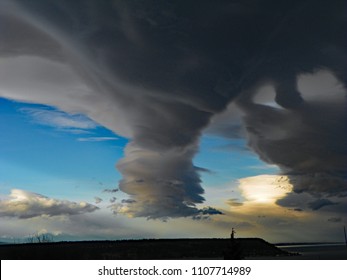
158 71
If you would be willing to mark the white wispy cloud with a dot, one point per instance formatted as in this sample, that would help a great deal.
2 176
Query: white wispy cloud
23 204
76 131
59 119
96 139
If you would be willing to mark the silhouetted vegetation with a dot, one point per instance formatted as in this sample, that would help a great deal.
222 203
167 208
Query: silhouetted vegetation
39 238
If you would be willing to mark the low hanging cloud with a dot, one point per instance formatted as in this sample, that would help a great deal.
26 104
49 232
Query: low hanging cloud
319 203
24 205
158 72
210 211
314 201
328 184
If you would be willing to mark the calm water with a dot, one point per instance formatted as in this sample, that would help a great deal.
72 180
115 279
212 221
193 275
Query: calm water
318 251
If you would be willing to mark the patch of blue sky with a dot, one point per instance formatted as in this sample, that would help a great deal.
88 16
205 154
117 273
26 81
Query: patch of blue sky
228 160
35 153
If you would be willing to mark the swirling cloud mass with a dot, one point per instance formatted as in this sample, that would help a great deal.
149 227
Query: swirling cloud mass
157 72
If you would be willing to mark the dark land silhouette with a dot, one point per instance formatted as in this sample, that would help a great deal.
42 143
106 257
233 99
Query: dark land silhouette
236 248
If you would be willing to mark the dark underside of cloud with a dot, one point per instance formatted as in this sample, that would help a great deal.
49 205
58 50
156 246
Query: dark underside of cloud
335 219
158 71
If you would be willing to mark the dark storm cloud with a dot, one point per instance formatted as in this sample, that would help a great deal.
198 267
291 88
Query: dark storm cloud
158 71
210 211
329 184
294 200
335 220
319 203
316 201
308 144
309 140
206 213
27 40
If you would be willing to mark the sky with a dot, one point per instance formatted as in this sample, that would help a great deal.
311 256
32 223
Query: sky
132 119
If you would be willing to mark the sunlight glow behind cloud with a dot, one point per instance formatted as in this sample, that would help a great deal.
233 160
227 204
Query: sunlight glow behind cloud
264 188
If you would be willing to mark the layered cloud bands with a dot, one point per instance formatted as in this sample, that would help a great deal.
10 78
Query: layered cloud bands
158 71
162 184
23 204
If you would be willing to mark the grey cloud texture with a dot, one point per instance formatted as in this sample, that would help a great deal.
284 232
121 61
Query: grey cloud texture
314 201
24 205
329 184
335 220
307 143
304 140
206 213
227 124
319 203
162 184
157 73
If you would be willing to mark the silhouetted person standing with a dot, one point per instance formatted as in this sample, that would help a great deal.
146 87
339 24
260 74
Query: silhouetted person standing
232 235
234 250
